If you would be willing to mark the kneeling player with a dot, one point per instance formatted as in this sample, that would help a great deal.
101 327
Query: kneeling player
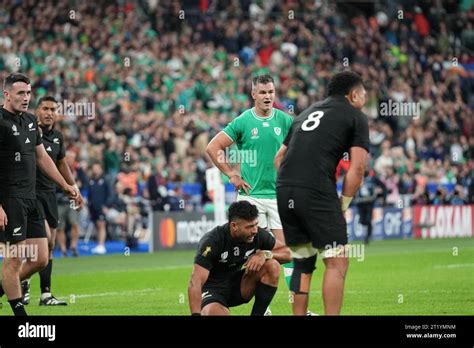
219 281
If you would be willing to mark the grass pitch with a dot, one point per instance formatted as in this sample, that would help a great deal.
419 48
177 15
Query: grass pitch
397 277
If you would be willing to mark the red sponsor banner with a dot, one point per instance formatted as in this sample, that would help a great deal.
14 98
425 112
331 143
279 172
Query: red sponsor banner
444 221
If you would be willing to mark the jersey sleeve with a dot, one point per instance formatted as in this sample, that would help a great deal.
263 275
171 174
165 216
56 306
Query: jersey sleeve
62 151
234 129
207 252
361 131
266 240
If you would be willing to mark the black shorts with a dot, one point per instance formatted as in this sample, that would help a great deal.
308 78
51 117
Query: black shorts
25 220
49 205
365 213
96 215
310 216
230 296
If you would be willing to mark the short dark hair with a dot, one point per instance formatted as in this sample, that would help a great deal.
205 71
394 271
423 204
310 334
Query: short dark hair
342 83
264 79
242 210
45 99
15 77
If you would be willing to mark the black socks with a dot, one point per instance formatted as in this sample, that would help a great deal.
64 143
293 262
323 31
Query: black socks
263 296
45 277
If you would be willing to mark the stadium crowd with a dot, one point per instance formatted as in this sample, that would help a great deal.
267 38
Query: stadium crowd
158 79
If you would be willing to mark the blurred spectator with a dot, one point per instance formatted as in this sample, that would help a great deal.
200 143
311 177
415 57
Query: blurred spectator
99 198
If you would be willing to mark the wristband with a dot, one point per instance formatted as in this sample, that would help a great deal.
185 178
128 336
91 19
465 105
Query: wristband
345 202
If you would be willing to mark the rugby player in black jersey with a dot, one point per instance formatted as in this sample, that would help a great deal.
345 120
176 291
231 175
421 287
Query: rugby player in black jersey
53 141
308 204
234 262
21 220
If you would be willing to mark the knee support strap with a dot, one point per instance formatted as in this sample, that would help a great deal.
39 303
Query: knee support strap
307 266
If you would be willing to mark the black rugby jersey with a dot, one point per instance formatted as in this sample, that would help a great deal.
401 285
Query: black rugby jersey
317 141
53 142
223 256
19 136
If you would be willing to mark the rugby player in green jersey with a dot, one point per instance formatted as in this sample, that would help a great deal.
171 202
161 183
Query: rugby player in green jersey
258 134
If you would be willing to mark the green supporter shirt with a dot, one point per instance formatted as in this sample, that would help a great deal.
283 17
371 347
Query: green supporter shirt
258 139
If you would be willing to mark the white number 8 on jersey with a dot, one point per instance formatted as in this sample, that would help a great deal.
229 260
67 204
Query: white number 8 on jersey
314 118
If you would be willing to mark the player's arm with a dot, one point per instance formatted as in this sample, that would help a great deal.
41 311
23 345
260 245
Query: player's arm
48 167
198 279
65 171
216 152
354 176
279 156
3 219
279 252
3 215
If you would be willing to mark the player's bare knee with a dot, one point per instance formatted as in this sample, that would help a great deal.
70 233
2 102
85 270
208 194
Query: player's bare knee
40 262
12 265
339 264
272 269
214 309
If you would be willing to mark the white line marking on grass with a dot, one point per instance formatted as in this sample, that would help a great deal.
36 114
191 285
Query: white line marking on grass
158 268
455 265
118 293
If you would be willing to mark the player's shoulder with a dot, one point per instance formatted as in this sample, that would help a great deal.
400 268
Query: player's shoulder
242 118
262 232
282 115
244 115
216 235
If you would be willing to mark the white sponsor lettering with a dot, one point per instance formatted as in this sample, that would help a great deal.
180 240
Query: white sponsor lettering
192 231
446 221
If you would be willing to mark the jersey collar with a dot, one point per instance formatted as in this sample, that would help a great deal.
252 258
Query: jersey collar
252 110
46 131
10 115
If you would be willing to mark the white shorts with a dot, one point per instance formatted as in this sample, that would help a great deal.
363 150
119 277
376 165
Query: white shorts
267 211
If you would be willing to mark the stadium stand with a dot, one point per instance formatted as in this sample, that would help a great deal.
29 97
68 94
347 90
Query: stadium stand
158 87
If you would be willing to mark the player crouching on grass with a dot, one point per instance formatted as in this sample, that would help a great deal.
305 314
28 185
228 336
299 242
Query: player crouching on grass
234 262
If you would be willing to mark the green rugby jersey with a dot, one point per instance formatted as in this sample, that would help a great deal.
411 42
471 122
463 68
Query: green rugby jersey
258 140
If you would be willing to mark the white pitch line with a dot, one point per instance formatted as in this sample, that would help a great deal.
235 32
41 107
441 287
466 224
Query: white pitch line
455 265
317 292
117 293
159 268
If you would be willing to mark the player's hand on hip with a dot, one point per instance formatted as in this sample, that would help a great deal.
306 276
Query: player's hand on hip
3 219
240 183
255 263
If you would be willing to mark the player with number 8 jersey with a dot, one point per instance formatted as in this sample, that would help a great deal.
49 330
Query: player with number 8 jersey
310 209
